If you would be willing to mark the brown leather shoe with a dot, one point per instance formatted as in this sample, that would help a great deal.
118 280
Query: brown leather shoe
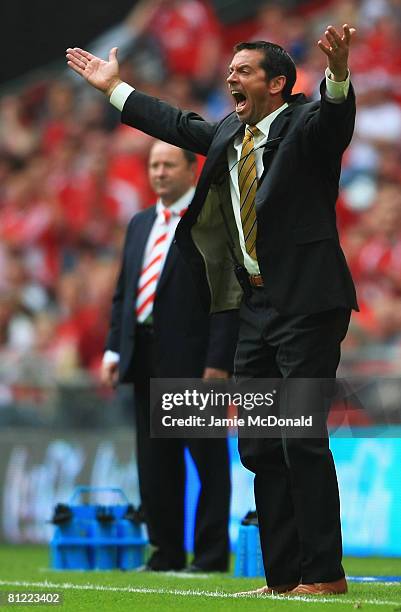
339 587
265 590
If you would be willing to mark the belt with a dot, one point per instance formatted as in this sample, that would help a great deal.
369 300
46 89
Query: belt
256 280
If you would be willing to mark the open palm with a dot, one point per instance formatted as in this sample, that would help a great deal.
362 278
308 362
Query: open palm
338 51
103 75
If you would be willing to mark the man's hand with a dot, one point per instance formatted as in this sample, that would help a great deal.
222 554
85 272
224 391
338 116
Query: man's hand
338 51
214 373
109 374
99 73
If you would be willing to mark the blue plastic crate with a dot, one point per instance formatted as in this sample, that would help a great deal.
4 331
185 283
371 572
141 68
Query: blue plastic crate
89 537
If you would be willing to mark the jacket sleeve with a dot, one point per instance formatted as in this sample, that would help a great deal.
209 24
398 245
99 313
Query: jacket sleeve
223 336
183 129
329 128
113 337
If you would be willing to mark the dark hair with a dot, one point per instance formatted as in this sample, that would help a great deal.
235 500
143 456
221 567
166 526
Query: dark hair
276 62
189 156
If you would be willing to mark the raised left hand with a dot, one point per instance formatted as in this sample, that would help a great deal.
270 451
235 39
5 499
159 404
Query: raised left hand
338 50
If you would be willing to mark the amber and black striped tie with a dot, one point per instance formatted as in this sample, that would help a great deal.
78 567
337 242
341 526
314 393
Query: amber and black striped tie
248 183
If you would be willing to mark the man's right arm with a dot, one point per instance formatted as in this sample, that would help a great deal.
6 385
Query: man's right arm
111 357
113 338
183 129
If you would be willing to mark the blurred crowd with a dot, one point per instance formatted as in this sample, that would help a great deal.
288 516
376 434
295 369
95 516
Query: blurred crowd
71 176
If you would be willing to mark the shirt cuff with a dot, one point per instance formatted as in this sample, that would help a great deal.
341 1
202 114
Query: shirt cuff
111 357
336 91
120 94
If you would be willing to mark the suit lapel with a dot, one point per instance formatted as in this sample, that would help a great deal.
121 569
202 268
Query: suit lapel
169 264
280 124
278 129
232 129
138 245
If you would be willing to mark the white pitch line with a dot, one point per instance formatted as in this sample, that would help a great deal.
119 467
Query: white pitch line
173 573
152 591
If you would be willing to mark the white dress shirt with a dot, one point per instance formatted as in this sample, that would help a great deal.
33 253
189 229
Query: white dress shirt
336 92
233 157
176 209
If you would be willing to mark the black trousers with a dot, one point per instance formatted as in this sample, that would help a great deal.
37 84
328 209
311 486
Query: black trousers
161 470
296 490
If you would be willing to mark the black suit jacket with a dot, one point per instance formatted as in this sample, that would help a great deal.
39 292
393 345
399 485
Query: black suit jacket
298 249
186 338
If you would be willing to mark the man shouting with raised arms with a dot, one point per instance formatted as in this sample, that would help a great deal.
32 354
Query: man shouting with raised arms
260 235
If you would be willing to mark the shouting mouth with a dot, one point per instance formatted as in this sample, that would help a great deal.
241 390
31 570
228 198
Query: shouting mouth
240 101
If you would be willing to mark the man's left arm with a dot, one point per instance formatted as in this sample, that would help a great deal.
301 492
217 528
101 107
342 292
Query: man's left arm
331 127
223 335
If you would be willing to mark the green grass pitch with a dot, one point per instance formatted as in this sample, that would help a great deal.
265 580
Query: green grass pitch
26 569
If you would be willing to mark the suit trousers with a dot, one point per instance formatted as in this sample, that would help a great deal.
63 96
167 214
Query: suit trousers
161 470
296 490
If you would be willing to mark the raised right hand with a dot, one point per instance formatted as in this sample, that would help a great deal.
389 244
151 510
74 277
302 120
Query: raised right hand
99 73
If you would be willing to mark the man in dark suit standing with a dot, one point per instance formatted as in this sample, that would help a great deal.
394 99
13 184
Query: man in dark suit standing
159 329
263 214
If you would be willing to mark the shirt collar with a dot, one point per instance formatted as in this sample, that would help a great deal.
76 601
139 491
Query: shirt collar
178 206
265 123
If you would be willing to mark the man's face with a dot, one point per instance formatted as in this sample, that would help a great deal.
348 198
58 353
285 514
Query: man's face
249 85
170 174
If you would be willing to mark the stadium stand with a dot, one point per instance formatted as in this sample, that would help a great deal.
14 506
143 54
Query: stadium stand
71 176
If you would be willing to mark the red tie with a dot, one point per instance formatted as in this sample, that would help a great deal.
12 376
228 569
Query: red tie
152 267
